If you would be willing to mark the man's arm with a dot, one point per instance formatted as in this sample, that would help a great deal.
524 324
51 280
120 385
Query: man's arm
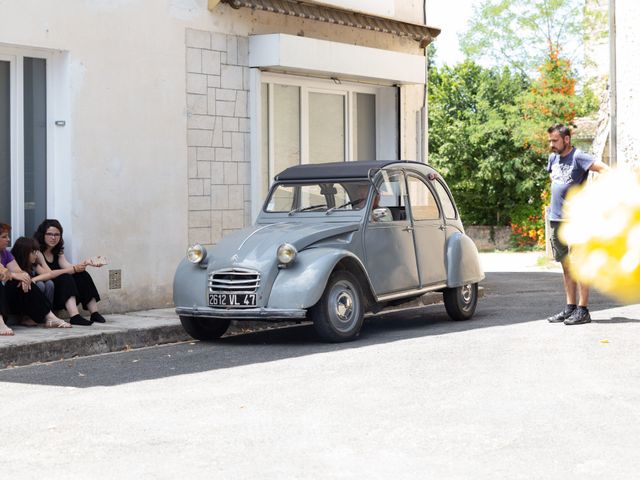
599 167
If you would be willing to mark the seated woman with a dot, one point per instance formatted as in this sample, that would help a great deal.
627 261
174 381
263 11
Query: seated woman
70 288
26 252
5 276
20 297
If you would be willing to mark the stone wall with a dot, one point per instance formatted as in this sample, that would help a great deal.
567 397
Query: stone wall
217 134
489 238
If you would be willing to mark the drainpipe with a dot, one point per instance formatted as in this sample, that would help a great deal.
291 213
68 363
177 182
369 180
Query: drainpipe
613 90
399 108
424 145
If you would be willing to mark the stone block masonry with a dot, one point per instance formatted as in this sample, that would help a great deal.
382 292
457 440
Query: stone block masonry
217 76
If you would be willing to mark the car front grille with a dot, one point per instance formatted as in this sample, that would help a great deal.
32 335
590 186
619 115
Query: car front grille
234 280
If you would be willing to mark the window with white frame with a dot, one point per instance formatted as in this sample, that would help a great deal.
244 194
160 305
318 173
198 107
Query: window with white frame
316 121
23 141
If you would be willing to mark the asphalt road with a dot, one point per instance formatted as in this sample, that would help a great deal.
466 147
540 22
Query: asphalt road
505 395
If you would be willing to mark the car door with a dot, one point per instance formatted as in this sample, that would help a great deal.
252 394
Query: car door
428 230
390 255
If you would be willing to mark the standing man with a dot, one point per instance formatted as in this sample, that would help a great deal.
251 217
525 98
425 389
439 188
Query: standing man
567 166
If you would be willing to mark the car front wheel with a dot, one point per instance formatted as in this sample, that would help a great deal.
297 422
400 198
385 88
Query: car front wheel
204 328
460 302
339 314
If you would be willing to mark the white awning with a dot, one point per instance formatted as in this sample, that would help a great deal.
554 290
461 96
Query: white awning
290 53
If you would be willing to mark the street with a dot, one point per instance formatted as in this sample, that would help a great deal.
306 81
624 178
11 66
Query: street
504 395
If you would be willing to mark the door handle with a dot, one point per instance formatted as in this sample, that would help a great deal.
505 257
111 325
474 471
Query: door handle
408 228
442 227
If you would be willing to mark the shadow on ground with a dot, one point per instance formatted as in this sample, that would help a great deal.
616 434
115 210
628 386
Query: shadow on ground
510 298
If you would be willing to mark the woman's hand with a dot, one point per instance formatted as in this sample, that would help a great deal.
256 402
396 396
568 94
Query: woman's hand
97 261
22 277
80 267
25 280
5 274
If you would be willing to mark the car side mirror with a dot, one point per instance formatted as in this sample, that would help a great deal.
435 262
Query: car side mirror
380 214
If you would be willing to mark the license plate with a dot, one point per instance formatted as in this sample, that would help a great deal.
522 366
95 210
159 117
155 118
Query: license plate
232 300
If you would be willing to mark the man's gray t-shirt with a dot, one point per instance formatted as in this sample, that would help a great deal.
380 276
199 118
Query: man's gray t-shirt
566 172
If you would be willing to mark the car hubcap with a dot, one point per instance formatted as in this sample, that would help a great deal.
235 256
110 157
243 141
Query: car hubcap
344 306
466 292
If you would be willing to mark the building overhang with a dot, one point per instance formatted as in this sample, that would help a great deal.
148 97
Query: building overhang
293 54
422 34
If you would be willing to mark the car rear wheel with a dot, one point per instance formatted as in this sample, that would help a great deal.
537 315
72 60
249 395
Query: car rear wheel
339 314
204 328
460 302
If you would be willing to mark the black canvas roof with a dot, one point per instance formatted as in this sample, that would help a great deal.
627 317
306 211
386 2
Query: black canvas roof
335 170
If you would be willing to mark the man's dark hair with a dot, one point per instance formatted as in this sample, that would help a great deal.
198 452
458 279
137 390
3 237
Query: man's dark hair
562 129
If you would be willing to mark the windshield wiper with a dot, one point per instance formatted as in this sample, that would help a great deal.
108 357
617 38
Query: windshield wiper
352 202
310 207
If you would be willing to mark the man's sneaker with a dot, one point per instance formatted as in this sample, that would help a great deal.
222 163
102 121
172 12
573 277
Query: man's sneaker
563 315
579 316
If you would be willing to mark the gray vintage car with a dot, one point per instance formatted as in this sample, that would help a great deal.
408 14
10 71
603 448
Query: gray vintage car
334 241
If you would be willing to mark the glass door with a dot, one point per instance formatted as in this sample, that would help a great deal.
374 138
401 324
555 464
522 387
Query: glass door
5 140
23 142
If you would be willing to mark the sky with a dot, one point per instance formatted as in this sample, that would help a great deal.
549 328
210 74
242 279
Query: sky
450 16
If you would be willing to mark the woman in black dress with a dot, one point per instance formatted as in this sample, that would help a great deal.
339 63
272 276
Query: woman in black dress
70 289
21 299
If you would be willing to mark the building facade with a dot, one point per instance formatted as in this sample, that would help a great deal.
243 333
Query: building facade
627 65
145 125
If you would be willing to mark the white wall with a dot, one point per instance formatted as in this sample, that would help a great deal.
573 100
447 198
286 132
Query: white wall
628 87
123 149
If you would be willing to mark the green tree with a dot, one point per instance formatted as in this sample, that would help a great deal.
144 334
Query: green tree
550 99
523 34
471 111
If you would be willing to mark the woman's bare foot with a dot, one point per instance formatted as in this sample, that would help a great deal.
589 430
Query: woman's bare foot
28 322
4 330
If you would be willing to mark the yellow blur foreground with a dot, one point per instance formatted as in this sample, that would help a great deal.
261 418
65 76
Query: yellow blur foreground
603 229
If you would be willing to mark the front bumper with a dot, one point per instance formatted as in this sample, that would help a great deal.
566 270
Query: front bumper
243 313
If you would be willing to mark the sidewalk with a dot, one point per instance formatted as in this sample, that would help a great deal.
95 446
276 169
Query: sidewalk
155 327
121 332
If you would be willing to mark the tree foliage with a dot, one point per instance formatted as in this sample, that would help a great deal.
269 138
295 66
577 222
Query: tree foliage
471 111
550 99
522 34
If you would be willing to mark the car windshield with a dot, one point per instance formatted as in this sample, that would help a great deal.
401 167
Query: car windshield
318 197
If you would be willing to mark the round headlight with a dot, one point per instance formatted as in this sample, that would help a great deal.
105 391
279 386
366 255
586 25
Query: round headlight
196 253
286 253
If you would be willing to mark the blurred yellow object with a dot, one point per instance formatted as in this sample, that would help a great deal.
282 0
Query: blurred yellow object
603 230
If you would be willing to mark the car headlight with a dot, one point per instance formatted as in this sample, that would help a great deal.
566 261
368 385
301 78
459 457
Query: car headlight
286 253
196 253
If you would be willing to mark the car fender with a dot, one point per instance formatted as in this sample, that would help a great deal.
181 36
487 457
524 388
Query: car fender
463 261
189 285
301 285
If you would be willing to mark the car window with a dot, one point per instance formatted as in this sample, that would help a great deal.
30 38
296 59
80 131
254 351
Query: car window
281 199
445 200
318 197
423 204
390 196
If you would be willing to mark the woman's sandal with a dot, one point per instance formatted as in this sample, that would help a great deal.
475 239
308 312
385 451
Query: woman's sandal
57 323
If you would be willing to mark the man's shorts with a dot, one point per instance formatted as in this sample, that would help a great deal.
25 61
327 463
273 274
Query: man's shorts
559 248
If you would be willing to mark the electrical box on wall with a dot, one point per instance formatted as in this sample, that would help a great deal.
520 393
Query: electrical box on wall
115 279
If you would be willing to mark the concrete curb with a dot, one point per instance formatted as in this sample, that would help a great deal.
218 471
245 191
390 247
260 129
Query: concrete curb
122 332
63 348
